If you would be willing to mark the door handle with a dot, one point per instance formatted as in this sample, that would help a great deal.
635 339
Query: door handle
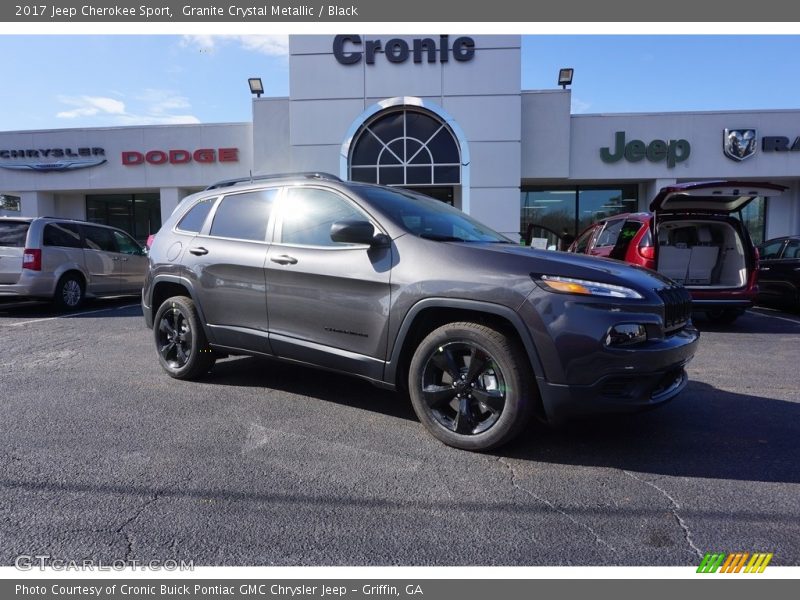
764 269
124 259
284 259
115 258
199 251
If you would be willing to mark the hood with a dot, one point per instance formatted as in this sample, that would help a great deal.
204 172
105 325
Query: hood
568 264
711 197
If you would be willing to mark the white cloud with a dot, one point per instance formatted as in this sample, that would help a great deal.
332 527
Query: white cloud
271 45
89 106
149 107
579 106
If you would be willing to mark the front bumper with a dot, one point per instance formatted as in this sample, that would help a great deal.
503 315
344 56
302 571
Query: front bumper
612 394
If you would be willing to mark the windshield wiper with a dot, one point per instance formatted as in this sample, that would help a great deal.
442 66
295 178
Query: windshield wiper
441 238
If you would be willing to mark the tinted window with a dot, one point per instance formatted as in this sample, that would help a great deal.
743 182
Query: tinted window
792 249
98 238
627 232
126 245
310 213
609 235
13 234
66 235
244 216
194 219
771 250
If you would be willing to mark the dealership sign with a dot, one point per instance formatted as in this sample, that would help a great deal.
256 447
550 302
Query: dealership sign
180 157
350 49
52 159
739 144
670 151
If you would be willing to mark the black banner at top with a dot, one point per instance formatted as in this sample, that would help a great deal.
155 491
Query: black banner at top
388 11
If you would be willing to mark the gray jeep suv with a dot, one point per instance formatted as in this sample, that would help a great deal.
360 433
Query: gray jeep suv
411 294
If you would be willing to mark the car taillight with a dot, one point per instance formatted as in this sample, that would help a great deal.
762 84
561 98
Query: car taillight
32 259
648 252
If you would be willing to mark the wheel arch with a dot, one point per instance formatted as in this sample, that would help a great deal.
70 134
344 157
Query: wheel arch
166 286
428 314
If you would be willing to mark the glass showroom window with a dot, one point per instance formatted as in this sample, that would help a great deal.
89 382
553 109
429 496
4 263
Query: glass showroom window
754 216
556 208
405 147
138 214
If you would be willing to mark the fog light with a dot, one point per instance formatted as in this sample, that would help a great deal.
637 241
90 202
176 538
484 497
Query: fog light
626 334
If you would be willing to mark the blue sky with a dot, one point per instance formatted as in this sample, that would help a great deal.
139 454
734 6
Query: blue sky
94 81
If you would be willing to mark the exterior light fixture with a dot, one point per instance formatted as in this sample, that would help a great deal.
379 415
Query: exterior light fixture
256 87
565 77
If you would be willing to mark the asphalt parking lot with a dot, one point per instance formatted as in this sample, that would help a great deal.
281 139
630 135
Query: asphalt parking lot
261 463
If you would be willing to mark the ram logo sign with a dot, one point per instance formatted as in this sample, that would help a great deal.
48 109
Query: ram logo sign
739 144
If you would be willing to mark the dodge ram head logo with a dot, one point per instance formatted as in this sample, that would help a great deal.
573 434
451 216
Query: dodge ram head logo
739 144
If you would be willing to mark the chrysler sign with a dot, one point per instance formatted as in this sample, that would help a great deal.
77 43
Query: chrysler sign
51 159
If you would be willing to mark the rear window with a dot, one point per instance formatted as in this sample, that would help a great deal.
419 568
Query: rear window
65 235
193 220
13 234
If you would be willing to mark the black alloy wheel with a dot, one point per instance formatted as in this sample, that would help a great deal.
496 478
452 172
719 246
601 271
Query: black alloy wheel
471 385
180 340
464 388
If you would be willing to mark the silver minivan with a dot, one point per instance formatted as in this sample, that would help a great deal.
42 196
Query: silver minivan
67 260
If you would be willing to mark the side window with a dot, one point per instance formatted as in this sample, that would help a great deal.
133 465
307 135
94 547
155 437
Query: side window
65 235
126 245
626 234
99 238
583 241
244 216
309 214
771 250
609 235
193 220
792 249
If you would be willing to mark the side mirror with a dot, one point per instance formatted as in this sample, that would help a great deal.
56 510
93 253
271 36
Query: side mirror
351 231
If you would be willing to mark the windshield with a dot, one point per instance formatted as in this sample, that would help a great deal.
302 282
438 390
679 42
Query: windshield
431 219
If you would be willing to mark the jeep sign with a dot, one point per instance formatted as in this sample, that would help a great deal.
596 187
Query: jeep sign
672 151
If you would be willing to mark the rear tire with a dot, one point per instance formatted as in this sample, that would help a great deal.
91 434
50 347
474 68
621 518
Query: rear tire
471 386
69 294
180 339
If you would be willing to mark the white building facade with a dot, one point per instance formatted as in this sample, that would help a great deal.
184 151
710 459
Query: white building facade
444 115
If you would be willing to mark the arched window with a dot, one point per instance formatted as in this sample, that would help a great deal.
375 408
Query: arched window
408 147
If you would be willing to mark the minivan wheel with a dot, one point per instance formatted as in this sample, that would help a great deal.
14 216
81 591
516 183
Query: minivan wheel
470 386
180 339
723 316
69 292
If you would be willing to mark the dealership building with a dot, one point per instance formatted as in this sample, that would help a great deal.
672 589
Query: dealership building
444 115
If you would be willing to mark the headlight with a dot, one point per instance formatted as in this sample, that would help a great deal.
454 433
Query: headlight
568 285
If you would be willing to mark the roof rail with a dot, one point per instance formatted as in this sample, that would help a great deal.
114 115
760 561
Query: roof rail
254 178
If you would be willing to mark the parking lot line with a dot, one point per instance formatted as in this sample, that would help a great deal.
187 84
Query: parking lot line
758 313
78 314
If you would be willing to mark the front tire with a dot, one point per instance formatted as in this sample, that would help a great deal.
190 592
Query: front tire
471 386
69 294
180 339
